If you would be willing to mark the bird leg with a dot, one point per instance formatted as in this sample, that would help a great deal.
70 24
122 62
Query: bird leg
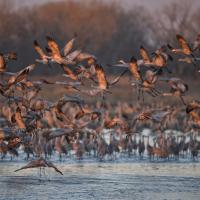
44 173
155 92
138 91
150 92
183 101
103 100
40 174
142 96
60 157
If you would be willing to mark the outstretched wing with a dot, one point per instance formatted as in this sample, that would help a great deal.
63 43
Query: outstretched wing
68 46
143 116
50 164
114 122
84 56
39 50
100 73
144 54
21 75
19 119
116 80
183 43
53 46
151 76
32 164
2 63
133 67
69 72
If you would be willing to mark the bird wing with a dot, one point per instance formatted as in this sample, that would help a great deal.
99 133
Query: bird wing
150 76
159 60
79 114
159 116
19 119
65 99
116 80
39 50
69 72
73 55
50 164
182 87
144 54
133 67
100 73
32 164
173 79
183 43
84 56
125 65
68 46
195 116
2 63
91 92
143 116
113 122
53 46
21 75
31 94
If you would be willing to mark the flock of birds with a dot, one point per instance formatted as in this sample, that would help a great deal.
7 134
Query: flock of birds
40 127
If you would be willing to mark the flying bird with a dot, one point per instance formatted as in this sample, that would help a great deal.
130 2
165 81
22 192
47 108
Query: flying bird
40 163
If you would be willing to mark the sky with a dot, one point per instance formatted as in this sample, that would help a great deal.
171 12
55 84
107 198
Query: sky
127 4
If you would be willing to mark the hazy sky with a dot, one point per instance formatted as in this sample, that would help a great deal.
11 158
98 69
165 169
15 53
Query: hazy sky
125 3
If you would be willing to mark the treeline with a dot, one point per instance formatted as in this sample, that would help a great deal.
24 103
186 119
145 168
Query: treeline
106 30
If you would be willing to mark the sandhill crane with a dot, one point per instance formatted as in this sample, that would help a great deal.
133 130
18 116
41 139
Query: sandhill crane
154 115
2 63
3 149
193 146
79 147
192 109
102 148
149 149
141 84
43 126
44 59
188 60
103 84
163 51
135 145
40 163
28 146
4 58
54 52
67 58
185 48
178 88
59 147
129 145
159 60
141 146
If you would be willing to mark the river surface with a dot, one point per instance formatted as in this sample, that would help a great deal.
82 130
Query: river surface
129 179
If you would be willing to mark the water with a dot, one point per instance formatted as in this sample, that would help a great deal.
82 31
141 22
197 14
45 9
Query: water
110 180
